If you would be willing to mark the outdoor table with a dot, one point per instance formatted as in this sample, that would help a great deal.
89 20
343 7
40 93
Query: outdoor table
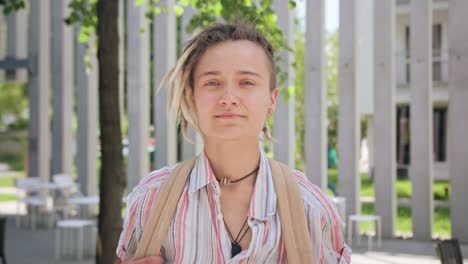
85 201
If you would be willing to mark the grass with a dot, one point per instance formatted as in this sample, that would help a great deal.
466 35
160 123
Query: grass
440 188
7 197
7 181
441 225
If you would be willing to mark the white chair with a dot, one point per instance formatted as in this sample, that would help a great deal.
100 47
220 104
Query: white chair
358 218
68 189
69 235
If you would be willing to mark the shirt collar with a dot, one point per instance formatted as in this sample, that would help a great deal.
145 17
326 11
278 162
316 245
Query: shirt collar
263 201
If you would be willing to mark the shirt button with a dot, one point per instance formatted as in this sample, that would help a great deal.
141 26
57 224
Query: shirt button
220 217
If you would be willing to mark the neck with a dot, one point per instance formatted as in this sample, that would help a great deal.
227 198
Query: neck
233 159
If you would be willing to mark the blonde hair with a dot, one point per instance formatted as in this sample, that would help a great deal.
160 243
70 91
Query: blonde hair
180 79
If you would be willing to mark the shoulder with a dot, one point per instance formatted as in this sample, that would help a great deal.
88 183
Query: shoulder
316 199
152 182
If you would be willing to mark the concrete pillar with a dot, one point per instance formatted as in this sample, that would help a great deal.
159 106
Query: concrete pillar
138 57
458 110
188 149
21 42
164 59
62 87
87 112
11 27
39 86
421 169
349 182
315 104
283 131
384 115
17 41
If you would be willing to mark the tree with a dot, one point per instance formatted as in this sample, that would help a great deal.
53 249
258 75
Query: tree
112 180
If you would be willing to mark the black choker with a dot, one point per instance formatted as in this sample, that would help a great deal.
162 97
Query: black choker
226 181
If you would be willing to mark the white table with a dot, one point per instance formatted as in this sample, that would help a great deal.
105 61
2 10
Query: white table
85 201
365 218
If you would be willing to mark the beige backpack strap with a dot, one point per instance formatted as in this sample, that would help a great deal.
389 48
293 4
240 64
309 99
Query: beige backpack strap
163 211
294 226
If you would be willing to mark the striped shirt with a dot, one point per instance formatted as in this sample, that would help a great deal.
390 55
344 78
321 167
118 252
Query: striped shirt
197 233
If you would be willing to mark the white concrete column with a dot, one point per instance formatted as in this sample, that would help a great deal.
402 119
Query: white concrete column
87 112
384 115
17 41
421 134
39 86
188 149
11 27
283 131
315 93
457 117
138 57
164 59
349 182
62 87
21 42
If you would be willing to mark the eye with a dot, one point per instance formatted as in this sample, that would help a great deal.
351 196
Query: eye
247 83
211 83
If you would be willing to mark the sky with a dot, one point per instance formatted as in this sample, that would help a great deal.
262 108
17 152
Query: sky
331 14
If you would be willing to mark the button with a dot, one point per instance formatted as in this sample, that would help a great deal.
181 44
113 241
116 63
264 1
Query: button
220 216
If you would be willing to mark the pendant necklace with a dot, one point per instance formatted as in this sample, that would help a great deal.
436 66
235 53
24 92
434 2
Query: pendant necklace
235 246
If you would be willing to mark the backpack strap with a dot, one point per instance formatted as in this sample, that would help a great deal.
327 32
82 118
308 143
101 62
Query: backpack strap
163 211
294 226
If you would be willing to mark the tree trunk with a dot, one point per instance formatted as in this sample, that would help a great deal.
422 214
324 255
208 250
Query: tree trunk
112 180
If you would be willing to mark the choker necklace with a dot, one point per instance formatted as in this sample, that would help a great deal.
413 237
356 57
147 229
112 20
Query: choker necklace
227 181
235 247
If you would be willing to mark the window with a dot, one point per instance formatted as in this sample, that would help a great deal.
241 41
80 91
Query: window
440 134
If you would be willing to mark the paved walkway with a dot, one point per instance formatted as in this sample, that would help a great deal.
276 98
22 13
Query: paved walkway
26 246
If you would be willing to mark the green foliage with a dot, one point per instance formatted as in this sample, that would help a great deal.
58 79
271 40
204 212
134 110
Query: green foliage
299 103
83 13
10 6
332 88
13 100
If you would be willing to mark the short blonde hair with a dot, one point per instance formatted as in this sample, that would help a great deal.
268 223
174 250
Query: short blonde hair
180 79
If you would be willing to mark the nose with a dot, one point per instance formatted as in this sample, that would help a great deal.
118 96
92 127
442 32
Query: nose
228 97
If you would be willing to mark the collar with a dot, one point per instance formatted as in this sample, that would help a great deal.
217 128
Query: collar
263 201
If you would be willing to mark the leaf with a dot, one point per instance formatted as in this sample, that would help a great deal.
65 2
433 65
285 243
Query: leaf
178 10
140 2
291 4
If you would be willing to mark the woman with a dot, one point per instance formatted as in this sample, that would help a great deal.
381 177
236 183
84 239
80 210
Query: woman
224 85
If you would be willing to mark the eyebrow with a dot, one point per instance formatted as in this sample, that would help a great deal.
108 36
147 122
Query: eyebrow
203 74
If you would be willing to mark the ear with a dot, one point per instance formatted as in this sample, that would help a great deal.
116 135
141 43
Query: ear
273 97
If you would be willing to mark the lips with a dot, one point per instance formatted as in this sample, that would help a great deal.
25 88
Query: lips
228 116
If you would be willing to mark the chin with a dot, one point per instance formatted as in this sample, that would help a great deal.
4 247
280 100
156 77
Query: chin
229 135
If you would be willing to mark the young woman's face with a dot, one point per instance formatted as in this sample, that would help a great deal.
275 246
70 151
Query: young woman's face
232 90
